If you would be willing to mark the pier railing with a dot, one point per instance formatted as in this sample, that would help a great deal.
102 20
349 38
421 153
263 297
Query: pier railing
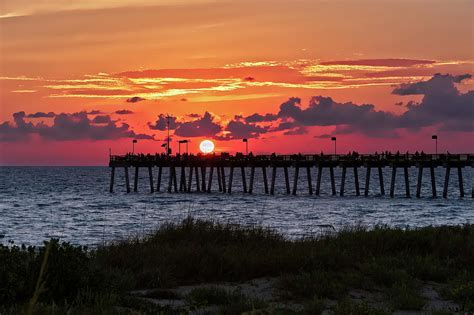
203 166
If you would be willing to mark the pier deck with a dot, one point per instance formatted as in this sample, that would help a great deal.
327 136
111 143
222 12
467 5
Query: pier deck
202 166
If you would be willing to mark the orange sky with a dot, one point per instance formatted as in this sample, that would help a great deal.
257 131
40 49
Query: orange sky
232 58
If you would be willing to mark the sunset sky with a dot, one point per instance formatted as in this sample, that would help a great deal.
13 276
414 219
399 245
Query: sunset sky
80 77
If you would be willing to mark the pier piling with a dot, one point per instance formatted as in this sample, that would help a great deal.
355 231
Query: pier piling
318 181
150 177
252 175
392 183
265 181
407 182
127 180
343 181
461 184
244 179
231 178
158 180
295 179
209 184
135 181
356 181
272 186
287 180
433 181
224 189
333 181
112 179
308 175
446 182
418 184
381 183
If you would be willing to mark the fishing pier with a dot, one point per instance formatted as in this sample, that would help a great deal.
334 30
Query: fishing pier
204 168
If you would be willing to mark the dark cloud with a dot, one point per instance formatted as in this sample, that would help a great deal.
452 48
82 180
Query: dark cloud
41 115
184 100
323 136
324 111
201 127
101 119
124 112
162 123
296 131
399 103
260 118
442 103
238 129
249 79
135 99
94 112
75 126
380 62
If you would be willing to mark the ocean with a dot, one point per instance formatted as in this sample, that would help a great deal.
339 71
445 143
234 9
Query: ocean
74 205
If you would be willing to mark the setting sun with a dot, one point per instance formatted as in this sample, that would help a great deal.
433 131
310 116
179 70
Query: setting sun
206 146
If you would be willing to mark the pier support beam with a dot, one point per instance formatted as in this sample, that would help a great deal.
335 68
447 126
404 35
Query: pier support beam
219 180
392 183
112 179
367 181
127 179
407 182
198 184
461 184
433 181
343 181
446 181
287 180
418 184
231 178
272 187
265 180
203 178
244 179
223 180
381 183
252 176
310 184
182 179
158 180
295 180
150 177
190 179
209 183
333 181
175 182
356 181
135 181
318 181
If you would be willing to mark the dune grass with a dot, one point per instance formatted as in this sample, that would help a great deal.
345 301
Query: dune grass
310 270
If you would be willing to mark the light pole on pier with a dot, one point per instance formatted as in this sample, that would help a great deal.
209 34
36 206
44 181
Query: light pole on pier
335 141
435 138
246 146
133 145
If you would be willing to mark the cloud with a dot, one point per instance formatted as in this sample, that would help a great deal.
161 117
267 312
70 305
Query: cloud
124 112
94 112
260 118
391 62
204 126
249 79
323 136
162 123
134 99
442 103
74 126
237 129
41 115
